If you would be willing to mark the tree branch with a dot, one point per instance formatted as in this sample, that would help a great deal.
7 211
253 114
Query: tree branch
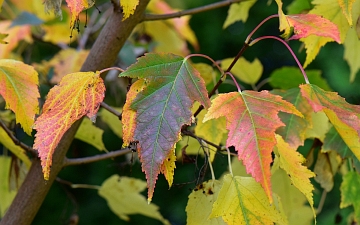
152 17
95 158
17 141
111 109
191 134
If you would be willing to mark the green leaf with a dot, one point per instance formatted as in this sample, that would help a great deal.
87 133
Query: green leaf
90 134
247 72
112 121
238 12
350 189
6 194
123 197
290 77
352 53
162 107
298 6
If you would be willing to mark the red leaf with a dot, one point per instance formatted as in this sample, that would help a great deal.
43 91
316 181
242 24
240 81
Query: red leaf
162 107
311 24
76 6
252 120
77 95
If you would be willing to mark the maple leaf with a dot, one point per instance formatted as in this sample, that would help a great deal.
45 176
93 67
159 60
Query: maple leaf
295 129
76 6
128 7
291 161
241 200
346 6
350 188
252 120
283 22
168 167
77 95
19 87
238 12
123 197
162 107
344 116
200 203
247 72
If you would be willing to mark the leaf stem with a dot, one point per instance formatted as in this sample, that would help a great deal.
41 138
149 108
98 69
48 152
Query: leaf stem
88 186
229 161
288 47
206 150
233 78
248 38
95 158
17 141
206 57
111 68
152 17
111 109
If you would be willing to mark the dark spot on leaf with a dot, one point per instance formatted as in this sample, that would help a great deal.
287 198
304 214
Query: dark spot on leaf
210 192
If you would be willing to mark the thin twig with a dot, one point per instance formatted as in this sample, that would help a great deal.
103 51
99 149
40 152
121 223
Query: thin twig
191 134
152 17
95 158
88 186
111 109
17 141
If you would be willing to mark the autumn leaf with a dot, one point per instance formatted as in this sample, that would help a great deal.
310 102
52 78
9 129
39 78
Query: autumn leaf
238 12
77 95
123 197
168 167
112 121
252 120
162 107
53 5
247 72
76 6
283 22
90 134
128 7
325 168
2 37
241 200
292 162
350 188
344 116
19 87
352 53
346 6
200 203
294 131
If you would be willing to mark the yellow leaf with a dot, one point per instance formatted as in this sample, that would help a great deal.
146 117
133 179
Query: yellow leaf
352 52
168 167
19 87
330 10
242 200
283 22
112 121
15 149
247 72
207 73
200 204
76 6
320 126
123 197
128 7
2 37
238 12
90 134
6 194
346 6
291 161
296 209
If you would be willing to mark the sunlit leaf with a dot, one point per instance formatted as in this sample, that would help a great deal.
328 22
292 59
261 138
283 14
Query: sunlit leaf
344 116
168 167
162 107
320 126
252 120
283 22
292 162
200 204
128 7
298 6
247 72
123 197
90 134
238 12
350 188
19 87
352 53
346 6
242 200
112 121
77 95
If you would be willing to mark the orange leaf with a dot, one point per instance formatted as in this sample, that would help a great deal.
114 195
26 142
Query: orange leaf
76 6
312 24
252 120
346 6
344 116
19 87
77 95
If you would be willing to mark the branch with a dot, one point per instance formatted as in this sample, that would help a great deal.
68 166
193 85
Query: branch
17 141
95 158
152 17
191 134
111 109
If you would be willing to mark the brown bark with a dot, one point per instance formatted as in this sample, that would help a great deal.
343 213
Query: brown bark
103 54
